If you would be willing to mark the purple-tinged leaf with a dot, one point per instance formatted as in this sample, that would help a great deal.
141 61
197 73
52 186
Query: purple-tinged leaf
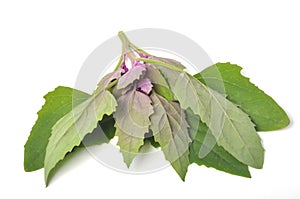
170 130
128 78
145 85
132 122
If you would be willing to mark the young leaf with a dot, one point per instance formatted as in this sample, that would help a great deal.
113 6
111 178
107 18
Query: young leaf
263 110
170 130
217 157
135 73
145 85
58 103
69 131
132 122
232 128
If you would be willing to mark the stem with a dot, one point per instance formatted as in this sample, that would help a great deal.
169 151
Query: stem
151 61
119 63
125 45
125 41
128 48
128 45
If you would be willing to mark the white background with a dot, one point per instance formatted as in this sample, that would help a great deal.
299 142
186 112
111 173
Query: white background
43 45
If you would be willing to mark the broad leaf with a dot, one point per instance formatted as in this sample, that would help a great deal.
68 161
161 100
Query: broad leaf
132 122
69 131
232 128
58 103
263 110
170 130
217 157
129 144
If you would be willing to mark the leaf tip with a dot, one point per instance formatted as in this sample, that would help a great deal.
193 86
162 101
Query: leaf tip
182 175
46 180
127 159
285 121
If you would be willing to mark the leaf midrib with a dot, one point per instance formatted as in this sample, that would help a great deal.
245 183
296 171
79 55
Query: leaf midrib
168 116
233 125
226 115
76 120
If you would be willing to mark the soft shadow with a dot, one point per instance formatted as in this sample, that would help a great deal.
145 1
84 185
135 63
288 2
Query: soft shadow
68 163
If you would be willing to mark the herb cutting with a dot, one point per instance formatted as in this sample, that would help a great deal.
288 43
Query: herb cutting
210 118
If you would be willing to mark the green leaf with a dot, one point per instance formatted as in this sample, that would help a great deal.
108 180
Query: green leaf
58 103
103 133
132 122
263 110
107 126
150 138
69 131
129 144
231 127
170 130
160 85
217 157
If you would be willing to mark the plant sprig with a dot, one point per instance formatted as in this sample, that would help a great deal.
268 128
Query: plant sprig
210 119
